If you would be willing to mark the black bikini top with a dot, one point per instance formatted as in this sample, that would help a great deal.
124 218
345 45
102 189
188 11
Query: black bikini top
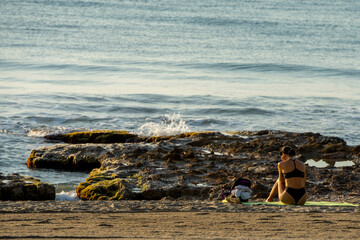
295 173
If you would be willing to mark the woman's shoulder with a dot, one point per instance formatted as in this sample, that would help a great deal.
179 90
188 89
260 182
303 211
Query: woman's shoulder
300 164
282 164
291 162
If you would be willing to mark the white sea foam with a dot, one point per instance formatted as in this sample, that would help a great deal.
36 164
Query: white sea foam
5 131
67 196
42 132
37 133
171 124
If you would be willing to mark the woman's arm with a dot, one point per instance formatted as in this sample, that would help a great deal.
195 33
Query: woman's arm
304 174
281 179
276 188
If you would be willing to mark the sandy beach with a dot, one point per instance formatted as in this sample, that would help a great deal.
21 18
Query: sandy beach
174 220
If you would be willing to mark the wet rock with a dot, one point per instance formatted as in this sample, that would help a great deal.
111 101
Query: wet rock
67 157
334 155
16 187
355 151
335 147
104 185
196 165
173 155
98 136
101 185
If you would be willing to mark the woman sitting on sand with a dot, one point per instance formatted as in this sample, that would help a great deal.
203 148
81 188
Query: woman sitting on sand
290 187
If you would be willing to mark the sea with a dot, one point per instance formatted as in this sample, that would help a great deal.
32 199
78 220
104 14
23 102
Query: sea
162 67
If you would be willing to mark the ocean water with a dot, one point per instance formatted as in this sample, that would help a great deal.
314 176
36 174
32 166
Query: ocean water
159 67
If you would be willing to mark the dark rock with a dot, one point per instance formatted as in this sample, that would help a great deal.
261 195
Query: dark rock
173 155
99 136
18 188
356 150
334 155
67 157
260 190
335 147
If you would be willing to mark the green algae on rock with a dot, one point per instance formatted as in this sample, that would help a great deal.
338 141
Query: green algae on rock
115 136
97 136
102 186
102 190
18 188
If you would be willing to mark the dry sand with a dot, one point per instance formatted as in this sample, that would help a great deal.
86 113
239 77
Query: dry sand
174 220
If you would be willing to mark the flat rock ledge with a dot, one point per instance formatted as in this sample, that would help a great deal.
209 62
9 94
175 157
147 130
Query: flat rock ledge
16 187
194 165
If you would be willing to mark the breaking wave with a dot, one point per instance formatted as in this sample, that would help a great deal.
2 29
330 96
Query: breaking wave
171 124
42 132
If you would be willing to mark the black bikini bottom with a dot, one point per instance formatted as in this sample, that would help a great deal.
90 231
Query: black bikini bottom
297 194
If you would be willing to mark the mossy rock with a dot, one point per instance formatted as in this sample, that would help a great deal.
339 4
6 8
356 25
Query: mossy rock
178 136
103 186
193 134
97 136
103 190
97 175
115 136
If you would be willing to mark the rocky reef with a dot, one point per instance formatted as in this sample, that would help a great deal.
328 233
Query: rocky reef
102 136
17 187
194 165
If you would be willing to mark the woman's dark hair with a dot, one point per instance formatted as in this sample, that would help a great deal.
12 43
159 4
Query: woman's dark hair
287 150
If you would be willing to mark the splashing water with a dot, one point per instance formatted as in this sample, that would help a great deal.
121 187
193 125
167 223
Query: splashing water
67 196
50 130
171 124
42 132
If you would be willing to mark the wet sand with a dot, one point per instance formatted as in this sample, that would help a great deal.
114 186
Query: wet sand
174 220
